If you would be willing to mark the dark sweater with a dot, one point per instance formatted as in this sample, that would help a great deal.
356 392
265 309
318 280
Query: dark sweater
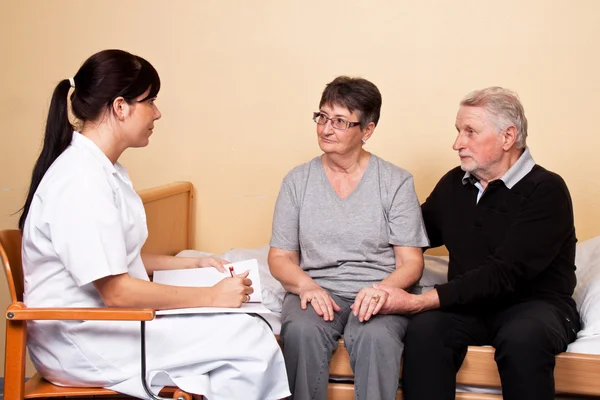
514 245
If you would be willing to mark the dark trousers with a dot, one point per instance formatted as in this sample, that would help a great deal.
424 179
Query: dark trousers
526 336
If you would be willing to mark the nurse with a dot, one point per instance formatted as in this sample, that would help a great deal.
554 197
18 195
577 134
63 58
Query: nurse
83 227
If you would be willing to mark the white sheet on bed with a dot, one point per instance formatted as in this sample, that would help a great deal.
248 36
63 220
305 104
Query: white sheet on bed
587 294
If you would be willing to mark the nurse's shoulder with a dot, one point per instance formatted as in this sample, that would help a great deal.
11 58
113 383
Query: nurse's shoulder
77 171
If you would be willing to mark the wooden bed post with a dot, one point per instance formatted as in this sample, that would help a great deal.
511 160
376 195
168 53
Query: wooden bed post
191 222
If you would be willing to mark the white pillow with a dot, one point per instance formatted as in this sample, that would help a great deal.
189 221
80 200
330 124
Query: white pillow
587 292
435 271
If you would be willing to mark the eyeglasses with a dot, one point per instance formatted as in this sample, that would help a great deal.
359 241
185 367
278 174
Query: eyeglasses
336 123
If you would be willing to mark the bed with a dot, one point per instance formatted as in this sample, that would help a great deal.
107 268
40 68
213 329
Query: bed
577 373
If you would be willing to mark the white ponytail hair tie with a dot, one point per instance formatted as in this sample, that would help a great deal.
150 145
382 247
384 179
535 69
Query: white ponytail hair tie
72 82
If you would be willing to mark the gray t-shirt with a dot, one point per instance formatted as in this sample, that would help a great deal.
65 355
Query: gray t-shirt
347 244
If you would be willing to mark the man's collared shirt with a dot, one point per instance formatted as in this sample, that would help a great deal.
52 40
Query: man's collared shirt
522 167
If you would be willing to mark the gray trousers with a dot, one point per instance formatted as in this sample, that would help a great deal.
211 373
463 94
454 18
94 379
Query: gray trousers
375 349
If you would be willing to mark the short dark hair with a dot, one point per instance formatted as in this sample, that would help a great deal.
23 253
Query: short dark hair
355 94
101 79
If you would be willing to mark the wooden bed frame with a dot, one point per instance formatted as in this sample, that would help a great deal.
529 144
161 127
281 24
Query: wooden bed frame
169 216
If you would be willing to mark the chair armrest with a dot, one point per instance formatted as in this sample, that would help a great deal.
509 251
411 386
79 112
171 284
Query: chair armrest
18 311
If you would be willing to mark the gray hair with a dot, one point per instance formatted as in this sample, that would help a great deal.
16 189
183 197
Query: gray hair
504 108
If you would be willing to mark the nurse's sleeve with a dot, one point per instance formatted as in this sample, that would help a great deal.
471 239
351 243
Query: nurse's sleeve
85 230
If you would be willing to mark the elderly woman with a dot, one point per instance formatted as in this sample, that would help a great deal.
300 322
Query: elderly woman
343 223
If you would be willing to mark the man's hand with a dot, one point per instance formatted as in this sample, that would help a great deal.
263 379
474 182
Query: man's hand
401 302
321 301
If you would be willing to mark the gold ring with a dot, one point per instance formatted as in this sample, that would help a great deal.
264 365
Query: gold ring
375 298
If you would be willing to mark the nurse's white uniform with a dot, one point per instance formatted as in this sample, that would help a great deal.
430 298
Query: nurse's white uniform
86 222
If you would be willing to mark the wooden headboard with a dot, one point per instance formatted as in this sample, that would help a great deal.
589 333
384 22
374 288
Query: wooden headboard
169 217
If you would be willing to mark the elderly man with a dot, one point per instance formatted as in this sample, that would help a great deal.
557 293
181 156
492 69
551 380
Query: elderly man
508 226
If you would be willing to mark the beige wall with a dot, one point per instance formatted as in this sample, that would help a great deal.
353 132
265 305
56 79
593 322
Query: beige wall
241 78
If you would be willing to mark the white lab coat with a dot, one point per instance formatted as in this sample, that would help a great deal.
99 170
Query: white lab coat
87 222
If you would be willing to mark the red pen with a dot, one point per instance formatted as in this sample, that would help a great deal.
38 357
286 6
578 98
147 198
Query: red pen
231 271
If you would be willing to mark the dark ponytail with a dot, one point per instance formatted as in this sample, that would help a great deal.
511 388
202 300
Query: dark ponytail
57 138
101 79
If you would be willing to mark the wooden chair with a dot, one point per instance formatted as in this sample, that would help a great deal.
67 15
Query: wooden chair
17 315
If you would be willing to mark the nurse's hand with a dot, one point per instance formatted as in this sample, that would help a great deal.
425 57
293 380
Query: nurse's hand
232 292
320 300
214 262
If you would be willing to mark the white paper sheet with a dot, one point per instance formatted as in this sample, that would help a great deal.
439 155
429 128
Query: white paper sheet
205 277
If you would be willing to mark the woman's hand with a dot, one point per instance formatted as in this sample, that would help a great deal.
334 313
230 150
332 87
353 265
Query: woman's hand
368 302
321 301
214 262
232 292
